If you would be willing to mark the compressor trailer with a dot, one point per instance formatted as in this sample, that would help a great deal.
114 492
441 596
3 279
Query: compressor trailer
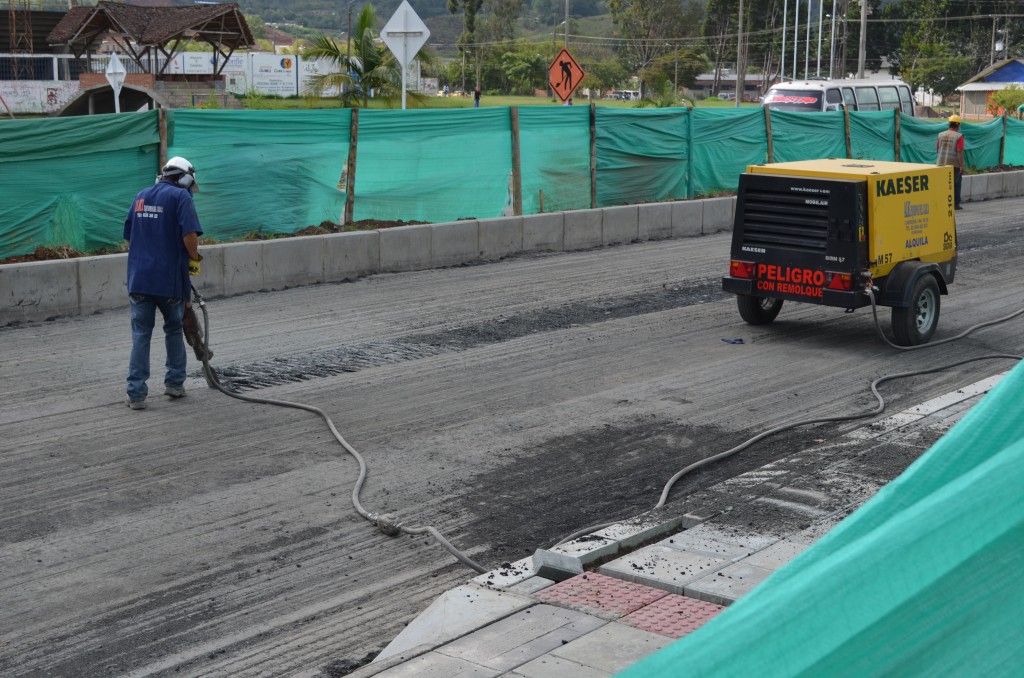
825 231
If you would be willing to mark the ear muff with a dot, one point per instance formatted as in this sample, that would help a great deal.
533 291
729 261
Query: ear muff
186 180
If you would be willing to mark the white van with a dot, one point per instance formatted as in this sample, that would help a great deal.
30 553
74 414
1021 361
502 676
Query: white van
836 95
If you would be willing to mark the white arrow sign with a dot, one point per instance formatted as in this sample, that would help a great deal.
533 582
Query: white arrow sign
115 76
404 34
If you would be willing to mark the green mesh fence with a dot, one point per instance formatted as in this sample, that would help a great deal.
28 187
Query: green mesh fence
641 155
798 136
70 181
923 580
281 171
263 171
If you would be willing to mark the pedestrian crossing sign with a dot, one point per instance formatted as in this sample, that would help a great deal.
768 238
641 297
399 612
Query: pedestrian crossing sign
564 75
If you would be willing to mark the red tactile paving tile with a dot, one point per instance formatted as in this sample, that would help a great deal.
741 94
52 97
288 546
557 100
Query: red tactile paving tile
592 592
673 616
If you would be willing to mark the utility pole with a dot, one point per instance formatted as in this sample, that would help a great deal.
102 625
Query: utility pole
821 6
832 43
863 37
566 43
740 66
796 36
782 52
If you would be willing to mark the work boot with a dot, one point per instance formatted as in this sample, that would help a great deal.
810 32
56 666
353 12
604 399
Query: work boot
135 404
174 391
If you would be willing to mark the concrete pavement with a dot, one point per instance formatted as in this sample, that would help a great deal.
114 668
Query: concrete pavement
612 598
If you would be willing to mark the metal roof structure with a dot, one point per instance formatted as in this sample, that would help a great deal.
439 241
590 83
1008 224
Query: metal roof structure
144 32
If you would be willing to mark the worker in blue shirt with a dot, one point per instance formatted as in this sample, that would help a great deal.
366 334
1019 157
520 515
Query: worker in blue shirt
162 230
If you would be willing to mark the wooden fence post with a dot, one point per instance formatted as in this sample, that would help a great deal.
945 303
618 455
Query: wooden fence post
517 171
593 156
350 167
1002 142
897 135
846 131
768 133
161 114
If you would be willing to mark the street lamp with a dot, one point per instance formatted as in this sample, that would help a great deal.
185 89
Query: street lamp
348 37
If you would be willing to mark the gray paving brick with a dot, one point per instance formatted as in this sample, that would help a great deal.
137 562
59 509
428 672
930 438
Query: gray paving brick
663 568
435 665
728 584
612 647
776 555
550 666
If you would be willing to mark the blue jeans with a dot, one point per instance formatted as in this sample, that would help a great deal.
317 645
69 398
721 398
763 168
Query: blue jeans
143 319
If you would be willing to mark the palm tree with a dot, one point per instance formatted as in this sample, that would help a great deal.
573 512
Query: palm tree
371 66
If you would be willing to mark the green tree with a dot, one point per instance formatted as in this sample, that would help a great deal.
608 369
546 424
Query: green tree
648 25
1006 100
371 66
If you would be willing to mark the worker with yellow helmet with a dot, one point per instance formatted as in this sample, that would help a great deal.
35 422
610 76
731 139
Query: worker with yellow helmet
950 148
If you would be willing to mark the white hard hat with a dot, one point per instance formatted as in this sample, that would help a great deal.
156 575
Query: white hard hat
181 170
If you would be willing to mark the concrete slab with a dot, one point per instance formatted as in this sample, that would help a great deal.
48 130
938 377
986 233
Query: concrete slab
405 248
672 616
728 584
776 555
102 283
500 237
531 585
663 568
718 214
349 256
436 665
595 593
655 221
454 614
620 225
583 229
703 544
588 548
554 565
210 281
507 575
612 647
544 232
550 666
640 529
522 637
291 262
687 218
243 268
454 243
732 535
38 290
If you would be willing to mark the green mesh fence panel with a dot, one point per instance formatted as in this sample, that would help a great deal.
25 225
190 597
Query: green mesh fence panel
641 155
433 165
70 181
799 136
723 143
873 135
554 157
265 171
982 142
921 581
1013 154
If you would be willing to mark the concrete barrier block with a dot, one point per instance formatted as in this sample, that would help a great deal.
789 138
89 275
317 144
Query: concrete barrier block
38 290
687 218
500 237
718 214
655 221
620 224
583 229
1007 185
348 256
289 262
1019 184
544 232
965 188
454 243
102 283
979 188
210 281
996 184
243 268
405 248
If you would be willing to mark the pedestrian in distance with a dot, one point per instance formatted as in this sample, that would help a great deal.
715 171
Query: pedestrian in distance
950 151
162 230
476 97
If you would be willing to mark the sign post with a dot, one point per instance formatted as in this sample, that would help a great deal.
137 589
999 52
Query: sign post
404 34
565 75
115 76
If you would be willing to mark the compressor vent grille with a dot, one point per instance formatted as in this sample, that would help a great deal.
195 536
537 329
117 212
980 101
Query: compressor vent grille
775 219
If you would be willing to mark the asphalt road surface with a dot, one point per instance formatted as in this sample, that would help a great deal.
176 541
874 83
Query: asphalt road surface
506 404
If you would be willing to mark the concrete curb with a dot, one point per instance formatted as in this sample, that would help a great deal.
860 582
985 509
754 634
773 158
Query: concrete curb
46 289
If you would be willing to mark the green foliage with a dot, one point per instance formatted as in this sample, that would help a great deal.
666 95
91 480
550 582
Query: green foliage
648 26
667 98
1006 100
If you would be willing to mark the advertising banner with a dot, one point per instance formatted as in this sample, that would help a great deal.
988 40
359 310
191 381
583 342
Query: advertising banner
310 68
275 74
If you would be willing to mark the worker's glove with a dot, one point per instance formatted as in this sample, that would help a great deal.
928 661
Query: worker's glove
193 267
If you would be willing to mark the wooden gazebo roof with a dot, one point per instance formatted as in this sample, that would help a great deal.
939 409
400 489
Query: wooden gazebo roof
142 31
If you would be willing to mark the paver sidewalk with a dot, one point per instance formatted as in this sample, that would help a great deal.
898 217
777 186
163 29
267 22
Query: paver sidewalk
621 608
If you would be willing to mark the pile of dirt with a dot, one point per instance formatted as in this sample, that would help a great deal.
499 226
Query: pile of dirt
325 227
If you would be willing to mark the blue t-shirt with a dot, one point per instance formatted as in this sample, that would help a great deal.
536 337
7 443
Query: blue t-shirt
158 219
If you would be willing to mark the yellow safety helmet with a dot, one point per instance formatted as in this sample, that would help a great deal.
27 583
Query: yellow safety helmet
954 119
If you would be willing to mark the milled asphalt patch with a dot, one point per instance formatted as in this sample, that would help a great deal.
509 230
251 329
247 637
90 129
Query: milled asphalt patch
282 370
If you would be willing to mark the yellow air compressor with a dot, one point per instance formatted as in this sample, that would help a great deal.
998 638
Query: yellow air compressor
824 231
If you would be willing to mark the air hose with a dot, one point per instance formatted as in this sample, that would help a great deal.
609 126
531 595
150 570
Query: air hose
386 523
879 408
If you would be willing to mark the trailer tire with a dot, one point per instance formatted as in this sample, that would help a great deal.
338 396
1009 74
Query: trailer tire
915 324
758 310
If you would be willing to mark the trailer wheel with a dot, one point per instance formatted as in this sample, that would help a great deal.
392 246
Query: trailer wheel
916 323
758 310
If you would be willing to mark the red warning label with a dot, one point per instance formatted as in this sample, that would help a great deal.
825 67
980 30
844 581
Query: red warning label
804 282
